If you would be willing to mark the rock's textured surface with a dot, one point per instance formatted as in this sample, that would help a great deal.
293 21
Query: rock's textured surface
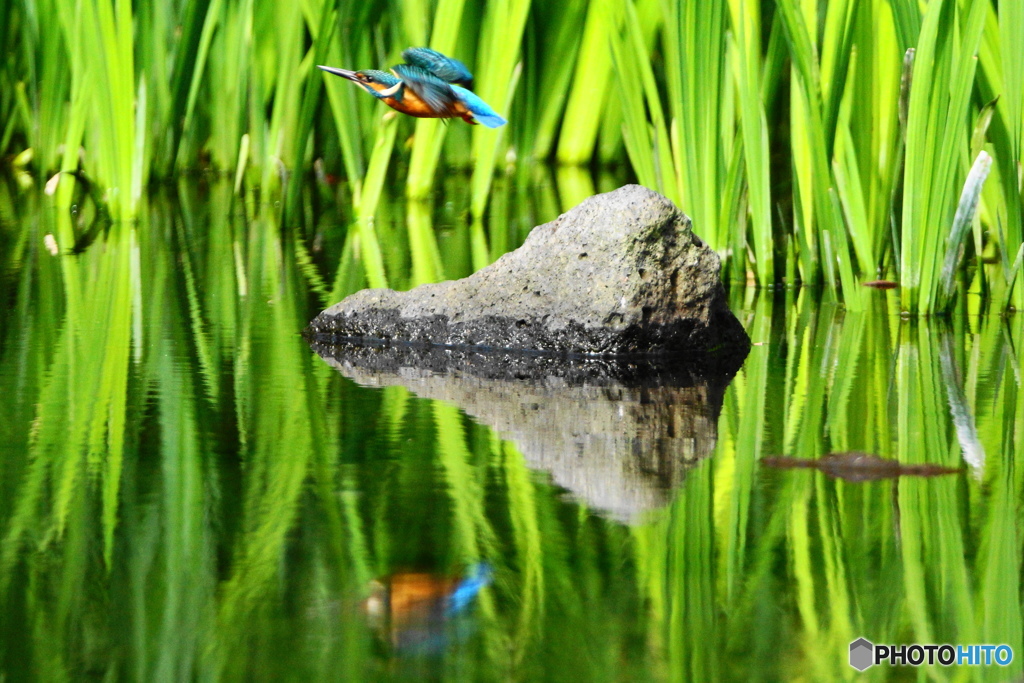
622 274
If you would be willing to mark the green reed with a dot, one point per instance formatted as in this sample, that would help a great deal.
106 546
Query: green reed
855 176
851 191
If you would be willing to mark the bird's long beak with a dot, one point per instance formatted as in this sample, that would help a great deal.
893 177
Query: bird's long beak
344 73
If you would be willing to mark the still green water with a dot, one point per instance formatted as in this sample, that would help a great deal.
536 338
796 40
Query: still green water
188 492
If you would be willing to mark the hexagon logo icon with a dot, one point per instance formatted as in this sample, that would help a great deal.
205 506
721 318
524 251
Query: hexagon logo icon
861 654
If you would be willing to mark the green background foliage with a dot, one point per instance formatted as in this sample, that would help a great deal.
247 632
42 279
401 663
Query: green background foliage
827 143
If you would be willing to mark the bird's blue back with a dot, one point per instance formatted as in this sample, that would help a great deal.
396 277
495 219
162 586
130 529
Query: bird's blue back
447 69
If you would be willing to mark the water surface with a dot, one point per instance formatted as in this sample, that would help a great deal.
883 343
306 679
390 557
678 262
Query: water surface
188 491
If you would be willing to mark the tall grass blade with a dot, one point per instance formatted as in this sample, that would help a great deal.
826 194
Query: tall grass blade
589 85
962 222
430 133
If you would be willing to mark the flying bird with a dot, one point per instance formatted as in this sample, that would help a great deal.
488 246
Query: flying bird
429 85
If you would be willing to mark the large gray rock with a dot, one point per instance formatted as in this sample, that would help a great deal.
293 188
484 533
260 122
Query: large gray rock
622 274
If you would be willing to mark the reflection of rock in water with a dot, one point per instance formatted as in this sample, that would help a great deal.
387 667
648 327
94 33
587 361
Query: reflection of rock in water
618 436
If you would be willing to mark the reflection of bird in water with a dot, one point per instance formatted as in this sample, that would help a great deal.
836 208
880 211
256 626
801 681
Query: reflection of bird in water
413 610
427 86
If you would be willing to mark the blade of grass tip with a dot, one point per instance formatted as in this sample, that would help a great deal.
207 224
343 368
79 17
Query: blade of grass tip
907 17
978 138
961 224
978 141
775 61
906 81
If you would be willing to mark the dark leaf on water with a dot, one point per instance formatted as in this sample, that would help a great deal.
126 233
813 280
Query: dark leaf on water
856 466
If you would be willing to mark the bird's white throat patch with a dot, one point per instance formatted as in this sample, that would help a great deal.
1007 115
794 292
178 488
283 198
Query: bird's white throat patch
392 90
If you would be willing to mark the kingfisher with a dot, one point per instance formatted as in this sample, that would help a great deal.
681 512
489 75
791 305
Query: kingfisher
429 85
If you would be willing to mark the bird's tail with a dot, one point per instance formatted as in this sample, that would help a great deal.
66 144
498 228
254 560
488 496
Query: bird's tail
477 578
481 111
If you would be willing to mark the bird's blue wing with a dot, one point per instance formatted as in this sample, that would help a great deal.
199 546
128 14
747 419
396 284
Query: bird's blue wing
437 94
447 69
479 577
482 112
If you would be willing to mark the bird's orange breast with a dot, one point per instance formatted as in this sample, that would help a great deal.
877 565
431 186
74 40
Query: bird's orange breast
413 105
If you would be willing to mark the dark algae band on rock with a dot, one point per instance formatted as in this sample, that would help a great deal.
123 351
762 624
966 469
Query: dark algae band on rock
620 275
